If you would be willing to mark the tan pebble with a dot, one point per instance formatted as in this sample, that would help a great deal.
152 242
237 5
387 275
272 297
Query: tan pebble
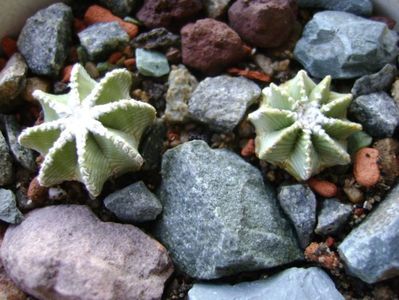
354 194
365 169
323 188
248 149
395 91
388 158
32 84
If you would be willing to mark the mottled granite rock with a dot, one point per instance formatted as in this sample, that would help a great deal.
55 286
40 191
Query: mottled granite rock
8 207
158 39
332 216
121 8
6 168
357 7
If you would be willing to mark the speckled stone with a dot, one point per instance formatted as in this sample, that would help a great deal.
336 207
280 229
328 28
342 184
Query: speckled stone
151 63
357 7
121 8
6 168
158 38
333 215
8 207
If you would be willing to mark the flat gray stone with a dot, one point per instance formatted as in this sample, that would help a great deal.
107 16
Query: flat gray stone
337 44
216 8
221 102
333 215
101 39
121 8
6 168
151 63
299 204
219 218
8 207
294 283
377 112
65 252
357 7
371 251
44 40
134 203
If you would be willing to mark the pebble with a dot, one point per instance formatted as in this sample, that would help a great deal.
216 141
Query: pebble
221 102
357 7
248 149
332 216
151 146
181 86
101 39
365 168
377 112
388 159
264 24
323 188
37 193
156 39
134 204
370 251
151 63
44 40
8 207
265 63
335 43
378 82
299 204
121 8
354 194
321 254
6 168
210 46
310 283
395 91
219 217
80 257
216 8
32 84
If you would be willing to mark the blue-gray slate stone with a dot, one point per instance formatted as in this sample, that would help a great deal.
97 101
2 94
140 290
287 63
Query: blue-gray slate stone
294 283
221 102
8 207
6 169
371 251
134 204
151 63
219 217
337 44
377 112
333 215
357 7
44 40
299 204
378 82
121 8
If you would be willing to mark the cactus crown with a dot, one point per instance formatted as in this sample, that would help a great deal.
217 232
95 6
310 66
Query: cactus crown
91 133
302 127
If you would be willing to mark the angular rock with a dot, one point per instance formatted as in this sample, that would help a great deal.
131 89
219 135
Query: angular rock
335 43
151 63
221 102
12 83
101 39
158 38
181 86
6 169
378 82
66 252
8 207
333 215
299 203
152 145
388 159
215 8
134 203
121 8
311 283
210 46
370 251
377 112
44 40
357 7
219 218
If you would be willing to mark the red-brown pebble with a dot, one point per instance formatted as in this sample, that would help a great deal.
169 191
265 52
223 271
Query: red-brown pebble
365 169
249 148
66 74
9 46
36 192
323 188
114 57
321 254
256 75
129 63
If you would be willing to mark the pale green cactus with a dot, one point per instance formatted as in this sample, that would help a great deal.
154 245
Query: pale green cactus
91 133
302 127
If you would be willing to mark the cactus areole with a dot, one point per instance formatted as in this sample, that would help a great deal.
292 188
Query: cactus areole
302 127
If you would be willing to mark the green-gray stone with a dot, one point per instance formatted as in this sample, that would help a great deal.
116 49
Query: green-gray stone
6 169
151 63
8 207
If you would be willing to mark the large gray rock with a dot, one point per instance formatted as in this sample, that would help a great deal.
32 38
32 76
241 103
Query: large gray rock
6 169
8 207
377 112
221 102
333 215
371 251
357 7
299 203
66 252
337 44
219 218
294 283
45 38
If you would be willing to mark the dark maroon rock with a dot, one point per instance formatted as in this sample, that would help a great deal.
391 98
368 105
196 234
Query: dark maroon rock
171 14
210 46
263 23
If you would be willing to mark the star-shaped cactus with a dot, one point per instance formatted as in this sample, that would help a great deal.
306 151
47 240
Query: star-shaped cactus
90 133
302 127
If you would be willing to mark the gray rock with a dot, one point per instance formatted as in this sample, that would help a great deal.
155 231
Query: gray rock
221 102
12 83
299 203
378 82
158 38
215 8
66 252
335 43
121 8
6 169
181 86
152 145
357 7
44 40
151 63
101 39
377 112
219 218
294 283
8 207
24 156
134 203
370 251
333 215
